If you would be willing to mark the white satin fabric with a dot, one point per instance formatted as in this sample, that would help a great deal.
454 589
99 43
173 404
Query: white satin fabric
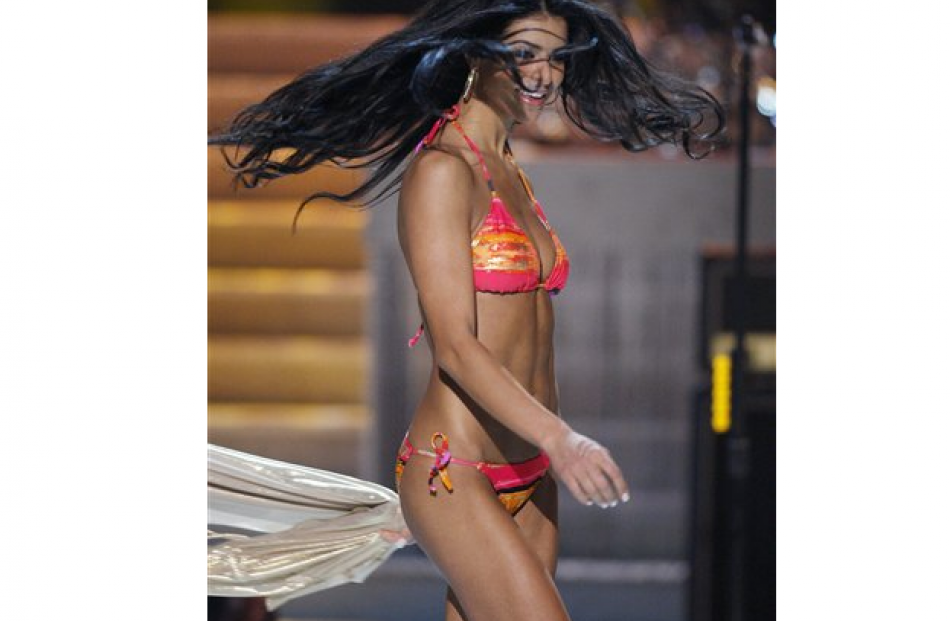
310 529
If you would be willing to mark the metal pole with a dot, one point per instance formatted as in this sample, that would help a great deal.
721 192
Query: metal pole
738 440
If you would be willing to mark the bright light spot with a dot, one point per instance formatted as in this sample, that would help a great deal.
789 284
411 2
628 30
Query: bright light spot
765 97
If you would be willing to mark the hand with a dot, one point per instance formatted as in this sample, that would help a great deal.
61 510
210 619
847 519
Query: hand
394 536
587 469
399 534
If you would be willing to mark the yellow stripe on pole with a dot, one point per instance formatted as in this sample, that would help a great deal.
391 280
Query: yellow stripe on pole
721 393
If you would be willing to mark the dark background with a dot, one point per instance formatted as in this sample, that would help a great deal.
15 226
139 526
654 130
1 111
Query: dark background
711 14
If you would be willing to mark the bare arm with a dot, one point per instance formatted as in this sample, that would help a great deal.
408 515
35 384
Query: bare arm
434 230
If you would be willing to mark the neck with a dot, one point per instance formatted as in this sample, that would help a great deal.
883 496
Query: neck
485 126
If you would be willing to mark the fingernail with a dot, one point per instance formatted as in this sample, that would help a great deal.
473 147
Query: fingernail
613 504
626 497
590 502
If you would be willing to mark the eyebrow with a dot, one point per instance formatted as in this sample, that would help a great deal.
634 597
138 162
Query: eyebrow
528 43
556 36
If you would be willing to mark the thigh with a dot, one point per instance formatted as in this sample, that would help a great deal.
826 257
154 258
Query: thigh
488 561
538 521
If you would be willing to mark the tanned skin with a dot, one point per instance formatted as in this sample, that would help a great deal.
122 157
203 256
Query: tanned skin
492 389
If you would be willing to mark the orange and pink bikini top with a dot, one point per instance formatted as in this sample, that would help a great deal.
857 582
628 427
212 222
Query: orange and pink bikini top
503 258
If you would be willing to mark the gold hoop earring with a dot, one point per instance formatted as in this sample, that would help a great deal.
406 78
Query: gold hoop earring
470 85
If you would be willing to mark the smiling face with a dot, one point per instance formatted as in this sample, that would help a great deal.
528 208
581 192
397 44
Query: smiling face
532 39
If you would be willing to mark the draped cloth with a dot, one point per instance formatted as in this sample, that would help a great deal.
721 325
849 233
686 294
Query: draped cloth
279 530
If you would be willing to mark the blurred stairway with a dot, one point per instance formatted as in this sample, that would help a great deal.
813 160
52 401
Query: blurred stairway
250 55
288 357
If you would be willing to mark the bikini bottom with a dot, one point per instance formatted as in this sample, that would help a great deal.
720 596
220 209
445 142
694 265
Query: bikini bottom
513 482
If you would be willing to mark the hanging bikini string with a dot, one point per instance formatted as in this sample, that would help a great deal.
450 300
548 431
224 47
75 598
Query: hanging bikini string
442 458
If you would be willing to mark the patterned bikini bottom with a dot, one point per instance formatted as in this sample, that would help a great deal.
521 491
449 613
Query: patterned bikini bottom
513 482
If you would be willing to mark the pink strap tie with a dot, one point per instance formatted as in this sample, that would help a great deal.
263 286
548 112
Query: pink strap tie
417 335
450 115
442 459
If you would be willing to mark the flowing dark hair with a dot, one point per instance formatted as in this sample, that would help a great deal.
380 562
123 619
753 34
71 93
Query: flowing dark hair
371 109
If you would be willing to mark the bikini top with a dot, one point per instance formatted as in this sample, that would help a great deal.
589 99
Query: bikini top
503 258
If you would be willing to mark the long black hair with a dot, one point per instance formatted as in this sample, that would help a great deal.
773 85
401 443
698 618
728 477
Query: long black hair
370 110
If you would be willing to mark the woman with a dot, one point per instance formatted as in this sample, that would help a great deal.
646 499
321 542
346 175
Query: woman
444 94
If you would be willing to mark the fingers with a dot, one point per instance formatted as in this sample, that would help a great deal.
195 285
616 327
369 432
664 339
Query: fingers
598 488
597 479
390 535
587 491
403 537
610 468
588 470
574 487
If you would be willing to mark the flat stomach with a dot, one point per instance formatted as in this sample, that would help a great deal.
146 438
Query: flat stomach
518 330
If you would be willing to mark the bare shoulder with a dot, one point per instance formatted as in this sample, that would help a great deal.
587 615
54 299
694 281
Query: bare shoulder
435 199
440 173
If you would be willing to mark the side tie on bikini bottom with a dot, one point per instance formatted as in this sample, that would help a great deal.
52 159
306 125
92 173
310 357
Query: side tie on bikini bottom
502 475
442 459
